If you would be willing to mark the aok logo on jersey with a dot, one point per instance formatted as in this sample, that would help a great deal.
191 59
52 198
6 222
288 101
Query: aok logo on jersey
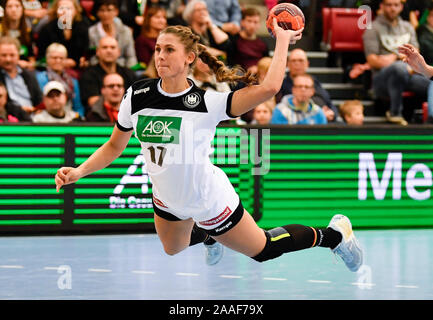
157 129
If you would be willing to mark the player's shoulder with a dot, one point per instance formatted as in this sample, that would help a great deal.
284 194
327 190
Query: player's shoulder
144 85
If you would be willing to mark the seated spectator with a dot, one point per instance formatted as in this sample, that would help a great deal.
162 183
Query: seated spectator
110 25
154 21
9 110
204 78
131 14
66 26
107 107
352 112
37 12
419 65
392 76
198 19
15 24
263 113
21 84
91 79
247 48
55 110
226 14
56 57
174 12
412 11
425 37
173 8
298 64
299 108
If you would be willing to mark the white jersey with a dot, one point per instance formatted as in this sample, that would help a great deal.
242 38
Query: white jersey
176 132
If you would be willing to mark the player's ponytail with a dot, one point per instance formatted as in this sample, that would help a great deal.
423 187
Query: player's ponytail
222 73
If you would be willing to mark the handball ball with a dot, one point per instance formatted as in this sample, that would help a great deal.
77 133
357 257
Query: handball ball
288 17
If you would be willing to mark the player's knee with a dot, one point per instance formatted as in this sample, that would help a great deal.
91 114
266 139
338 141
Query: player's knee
172 250
270 251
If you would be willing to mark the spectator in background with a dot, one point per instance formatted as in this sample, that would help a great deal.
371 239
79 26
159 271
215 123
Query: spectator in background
205 79
413 10
56 57
298 107
226 14
15 24
352 112
110 25
425 37
106 108
247 48
55 110
66 26
131 14
198 19
154 21
263 113
91 80
418 63
37 12
21 84
298 64
392 76
9 110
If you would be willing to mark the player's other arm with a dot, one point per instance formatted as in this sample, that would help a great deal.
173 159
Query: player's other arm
100 159
247 98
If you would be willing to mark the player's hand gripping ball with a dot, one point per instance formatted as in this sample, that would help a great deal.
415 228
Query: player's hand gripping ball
289 17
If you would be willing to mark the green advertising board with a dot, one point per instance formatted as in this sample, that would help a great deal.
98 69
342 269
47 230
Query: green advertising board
381 177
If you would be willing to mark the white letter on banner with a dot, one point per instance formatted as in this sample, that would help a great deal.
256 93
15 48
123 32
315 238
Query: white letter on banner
412 182
367 166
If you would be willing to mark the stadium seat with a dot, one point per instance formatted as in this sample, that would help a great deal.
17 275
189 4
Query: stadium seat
326 14
343 29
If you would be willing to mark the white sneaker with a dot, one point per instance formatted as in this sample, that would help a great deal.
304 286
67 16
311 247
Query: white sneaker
214 253
348 249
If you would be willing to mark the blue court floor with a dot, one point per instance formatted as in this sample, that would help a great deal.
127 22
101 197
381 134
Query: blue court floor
398 265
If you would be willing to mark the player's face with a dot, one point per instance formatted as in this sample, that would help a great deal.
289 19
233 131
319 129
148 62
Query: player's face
171 59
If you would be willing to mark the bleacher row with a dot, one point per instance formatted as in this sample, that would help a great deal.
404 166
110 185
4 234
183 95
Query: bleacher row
341 33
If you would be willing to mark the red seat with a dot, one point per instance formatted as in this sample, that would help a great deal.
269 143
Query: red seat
344 29
326 14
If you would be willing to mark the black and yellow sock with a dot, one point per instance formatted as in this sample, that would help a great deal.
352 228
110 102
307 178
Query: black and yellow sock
294 237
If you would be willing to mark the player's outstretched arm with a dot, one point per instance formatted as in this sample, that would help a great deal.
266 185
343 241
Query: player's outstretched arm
415 60
100 159
247 98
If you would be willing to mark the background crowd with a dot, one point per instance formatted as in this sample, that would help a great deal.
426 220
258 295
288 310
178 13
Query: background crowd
63 61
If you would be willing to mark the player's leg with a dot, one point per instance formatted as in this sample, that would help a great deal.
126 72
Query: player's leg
246 237
176 235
